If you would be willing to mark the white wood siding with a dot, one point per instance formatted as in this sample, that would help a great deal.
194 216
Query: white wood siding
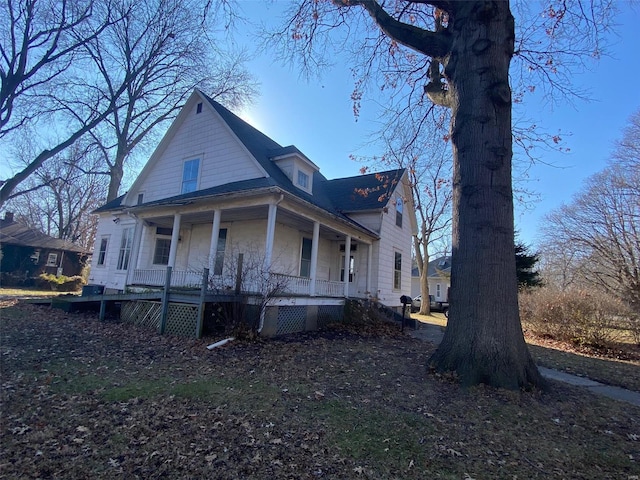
203 136
393 239
247 238
107 274
371 220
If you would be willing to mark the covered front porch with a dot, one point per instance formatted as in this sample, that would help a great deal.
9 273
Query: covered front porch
266 242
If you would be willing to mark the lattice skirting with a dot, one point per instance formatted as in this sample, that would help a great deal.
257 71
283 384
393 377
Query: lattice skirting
329 314
182 318
291 319
141 313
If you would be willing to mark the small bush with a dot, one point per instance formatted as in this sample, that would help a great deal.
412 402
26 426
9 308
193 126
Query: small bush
576 316
61 283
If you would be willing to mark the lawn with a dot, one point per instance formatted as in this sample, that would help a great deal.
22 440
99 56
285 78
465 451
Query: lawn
618 365
18 292
84 399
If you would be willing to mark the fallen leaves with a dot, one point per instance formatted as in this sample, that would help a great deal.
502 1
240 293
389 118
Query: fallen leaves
327 405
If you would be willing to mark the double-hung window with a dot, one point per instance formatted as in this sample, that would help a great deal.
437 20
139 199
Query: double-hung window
397 271
351 268
161 252
305 258
52 260
125 249
399 208
190 175
102 253
222 244
303 179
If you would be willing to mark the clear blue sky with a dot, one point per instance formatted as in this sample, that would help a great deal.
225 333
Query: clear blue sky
317 117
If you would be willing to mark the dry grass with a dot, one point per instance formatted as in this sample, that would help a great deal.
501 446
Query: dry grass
618 365
18 293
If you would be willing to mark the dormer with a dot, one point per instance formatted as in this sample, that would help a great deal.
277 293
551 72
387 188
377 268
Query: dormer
296 166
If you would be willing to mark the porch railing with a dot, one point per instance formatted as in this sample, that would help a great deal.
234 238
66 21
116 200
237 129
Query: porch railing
328 288
156 278
287 284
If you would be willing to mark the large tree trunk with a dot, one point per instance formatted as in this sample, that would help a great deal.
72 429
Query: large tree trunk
116 173
483 341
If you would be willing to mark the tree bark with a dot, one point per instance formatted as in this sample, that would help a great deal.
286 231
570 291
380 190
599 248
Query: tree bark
483 342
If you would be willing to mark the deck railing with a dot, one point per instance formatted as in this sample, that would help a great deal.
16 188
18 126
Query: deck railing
156 278
288 284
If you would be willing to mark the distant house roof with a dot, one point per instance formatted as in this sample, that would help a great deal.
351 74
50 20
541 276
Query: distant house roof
435 268
339 196
439 266
15 233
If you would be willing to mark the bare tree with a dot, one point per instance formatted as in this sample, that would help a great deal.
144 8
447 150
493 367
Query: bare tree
428 164
159 52
601 229
40 58
458 54
244 270
62 196
627 149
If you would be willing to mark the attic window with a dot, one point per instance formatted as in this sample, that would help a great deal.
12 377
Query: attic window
190 175
140 198
199 108
303 179
399 206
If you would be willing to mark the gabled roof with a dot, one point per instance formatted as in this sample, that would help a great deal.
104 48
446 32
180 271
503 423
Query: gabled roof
14 233
339 196
364 192
439 266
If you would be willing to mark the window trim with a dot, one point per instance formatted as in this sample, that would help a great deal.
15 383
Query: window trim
399 211
124 253
155 251
218 264
186 182
102 252
397 270
303 179
304 261
50 262
352 268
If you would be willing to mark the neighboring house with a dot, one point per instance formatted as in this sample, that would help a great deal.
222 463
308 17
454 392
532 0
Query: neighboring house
438 276
26 253
215 187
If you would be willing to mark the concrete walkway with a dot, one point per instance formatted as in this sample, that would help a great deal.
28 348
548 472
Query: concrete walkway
434 334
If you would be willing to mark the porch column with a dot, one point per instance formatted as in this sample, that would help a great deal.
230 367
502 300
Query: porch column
369 265
347 262
314 259
215 234
141 244
175 236
271 229
135 250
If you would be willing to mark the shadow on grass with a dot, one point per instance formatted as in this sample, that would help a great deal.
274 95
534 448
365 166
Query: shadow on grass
609 371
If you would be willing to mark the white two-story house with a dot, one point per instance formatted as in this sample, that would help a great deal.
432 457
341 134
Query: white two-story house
215 187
